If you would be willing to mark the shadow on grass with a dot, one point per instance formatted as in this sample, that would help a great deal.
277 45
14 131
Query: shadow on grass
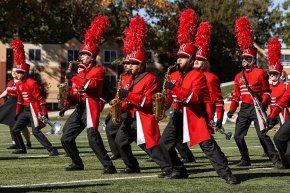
48 188
249 176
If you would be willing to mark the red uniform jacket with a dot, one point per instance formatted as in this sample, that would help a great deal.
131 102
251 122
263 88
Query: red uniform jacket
140 106
87 88
190 95
11 88
217 102
284 102
258 82
277 91
28 92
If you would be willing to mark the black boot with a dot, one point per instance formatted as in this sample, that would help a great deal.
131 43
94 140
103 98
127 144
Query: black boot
109 170
74 167
128 170
53 152
165 172
231 179
19 151
243 163
178 174
28 145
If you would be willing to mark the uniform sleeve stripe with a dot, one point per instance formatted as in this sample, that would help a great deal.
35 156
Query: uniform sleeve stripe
189 97
143 101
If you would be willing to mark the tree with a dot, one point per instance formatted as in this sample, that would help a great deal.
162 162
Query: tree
285 26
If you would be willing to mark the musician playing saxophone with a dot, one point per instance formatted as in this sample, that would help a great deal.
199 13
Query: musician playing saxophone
124 82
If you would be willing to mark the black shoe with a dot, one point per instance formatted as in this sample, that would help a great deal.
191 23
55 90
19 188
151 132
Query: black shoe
188 160
149 159
115 157
130 170
177 175
13 146
164 173
279 165
74 167
109 170
19 151
231 179
243 163
53 152
28 145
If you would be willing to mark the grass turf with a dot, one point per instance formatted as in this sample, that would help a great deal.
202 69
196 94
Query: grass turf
37 168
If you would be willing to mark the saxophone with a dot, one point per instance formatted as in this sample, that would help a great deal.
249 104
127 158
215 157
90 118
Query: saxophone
116 105
63 88
159 105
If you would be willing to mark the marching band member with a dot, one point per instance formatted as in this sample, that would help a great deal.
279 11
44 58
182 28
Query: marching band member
251 87
282 137
189 91
8 110
275 71
30 104
112 128
279 102
140 123
85 92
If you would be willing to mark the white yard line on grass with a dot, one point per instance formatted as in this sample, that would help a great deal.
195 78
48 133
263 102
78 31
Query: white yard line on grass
77 181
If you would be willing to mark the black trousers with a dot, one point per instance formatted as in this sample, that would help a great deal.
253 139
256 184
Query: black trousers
282 142
184 151
127 133
246 115
111 131
23 120
75 124
173 134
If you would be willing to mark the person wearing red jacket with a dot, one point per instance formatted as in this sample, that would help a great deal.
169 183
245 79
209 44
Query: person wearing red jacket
275 71
251 85
8 110
30 104
190 93
282 137
111 128
85 93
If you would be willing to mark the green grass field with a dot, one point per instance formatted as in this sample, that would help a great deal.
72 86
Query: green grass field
36 172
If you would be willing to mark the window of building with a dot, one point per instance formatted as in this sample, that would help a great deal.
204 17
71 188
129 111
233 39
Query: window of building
72 54
109 56
287 57
34 54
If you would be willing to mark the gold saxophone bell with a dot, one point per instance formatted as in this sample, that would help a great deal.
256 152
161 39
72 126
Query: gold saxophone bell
116 106
159 105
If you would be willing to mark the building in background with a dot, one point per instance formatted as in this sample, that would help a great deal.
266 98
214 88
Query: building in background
51 61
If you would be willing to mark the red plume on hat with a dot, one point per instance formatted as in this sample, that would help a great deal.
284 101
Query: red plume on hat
186 33
94 35
274 54
202 40
137 33
19 55
245 37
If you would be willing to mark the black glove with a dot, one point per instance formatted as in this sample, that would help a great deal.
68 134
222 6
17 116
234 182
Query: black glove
219 123
107 119
69 75
15 118
123 93
264 107
230 114
61 112
271 123
169 85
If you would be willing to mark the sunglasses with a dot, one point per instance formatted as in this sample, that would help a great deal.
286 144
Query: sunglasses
19 72
248 59
273 73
